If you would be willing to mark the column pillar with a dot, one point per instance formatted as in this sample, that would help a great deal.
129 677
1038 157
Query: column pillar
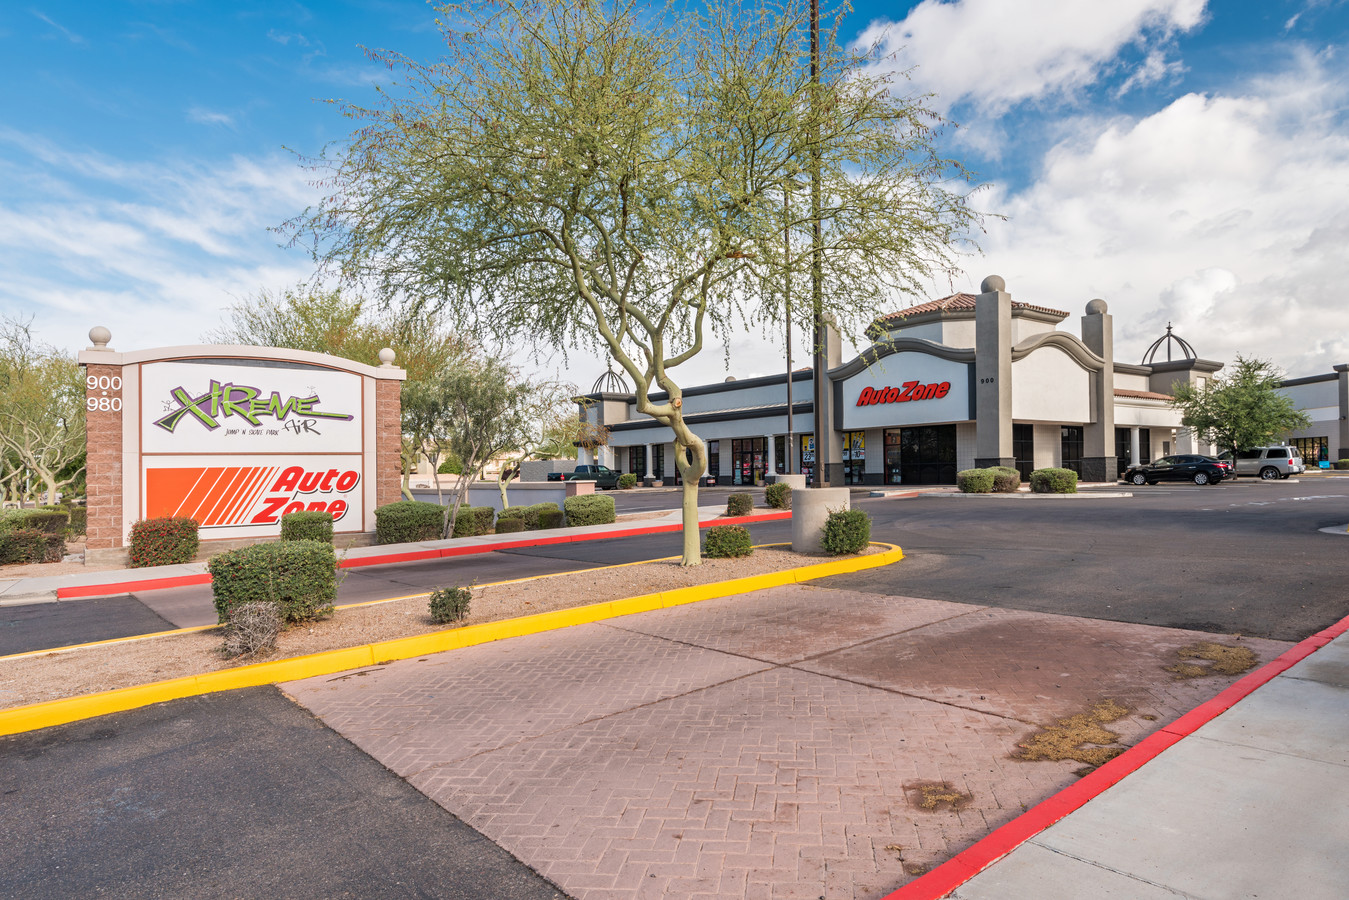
103 449
1343 452
993 375
770 456
646 472
828 403
1133 446
1098 439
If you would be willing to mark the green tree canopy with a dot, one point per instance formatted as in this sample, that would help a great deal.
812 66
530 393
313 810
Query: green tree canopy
1243 408
42 408
610 174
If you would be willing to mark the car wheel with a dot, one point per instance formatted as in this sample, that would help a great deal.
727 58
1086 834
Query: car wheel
1139 478
1269 473
1201 478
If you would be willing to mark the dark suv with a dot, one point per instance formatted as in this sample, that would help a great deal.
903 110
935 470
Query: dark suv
1199 469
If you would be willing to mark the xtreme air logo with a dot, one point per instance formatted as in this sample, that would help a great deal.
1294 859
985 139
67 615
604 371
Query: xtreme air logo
225 400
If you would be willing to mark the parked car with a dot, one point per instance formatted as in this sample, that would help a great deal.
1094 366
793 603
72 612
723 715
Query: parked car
604 477
1186 467
1270 463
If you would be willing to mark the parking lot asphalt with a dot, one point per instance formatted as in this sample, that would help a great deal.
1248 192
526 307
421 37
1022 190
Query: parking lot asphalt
241 794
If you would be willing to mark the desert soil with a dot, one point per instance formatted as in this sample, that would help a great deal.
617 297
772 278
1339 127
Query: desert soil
50 676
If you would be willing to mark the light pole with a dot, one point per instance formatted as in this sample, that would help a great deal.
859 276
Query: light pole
816 252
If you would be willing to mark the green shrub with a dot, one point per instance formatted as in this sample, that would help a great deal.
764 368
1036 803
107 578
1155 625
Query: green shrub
450 604
29 545
1053 481
726 541
528 514
1342 463
450 466
474 520
627 480
552 518
79 522
163 542
1006 480
510 524
846 531
47 519
589 509
409 520
778 496
307 525
739 505
975 481
299 576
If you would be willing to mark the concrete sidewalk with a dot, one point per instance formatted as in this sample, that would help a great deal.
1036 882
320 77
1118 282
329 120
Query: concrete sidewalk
47 589
1251 804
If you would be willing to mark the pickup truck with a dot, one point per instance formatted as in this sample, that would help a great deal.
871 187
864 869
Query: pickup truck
604 477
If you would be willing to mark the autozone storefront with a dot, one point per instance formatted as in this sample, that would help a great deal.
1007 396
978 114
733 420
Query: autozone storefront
962 382
237 437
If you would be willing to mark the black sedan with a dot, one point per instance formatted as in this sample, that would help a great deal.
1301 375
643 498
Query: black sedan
1199 469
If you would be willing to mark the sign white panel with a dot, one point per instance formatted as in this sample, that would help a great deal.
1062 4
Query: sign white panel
907 388
215 406
245 496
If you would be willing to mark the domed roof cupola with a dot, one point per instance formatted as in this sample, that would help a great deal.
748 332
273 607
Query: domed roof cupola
1184 346
611 383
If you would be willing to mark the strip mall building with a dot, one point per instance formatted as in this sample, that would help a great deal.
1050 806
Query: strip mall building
953 384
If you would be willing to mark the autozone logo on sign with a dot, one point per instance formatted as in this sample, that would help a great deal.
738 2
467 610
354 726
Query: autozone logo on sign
224 496
912 390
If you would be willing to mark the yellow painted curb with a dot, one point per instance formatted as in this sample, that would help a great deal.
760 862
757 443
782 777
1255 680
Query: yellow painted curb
72 709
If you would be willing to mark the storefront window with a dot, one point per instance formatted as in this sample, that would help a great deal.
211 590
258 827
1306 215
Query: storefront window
748 460
1071 439
1023 449
658 461
1313 450
637 461
854 456
807 467
714 458
924 455
780 454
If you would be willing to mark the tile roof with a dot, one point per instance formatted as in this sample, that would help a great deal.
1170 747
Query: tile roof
960 302
1141 395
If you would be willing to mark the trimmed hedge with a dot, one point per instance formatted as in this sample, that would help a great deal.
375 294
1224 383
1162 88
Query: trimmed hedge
726 541
975 481
48 519
627 480
1342 463
589 509
163 542
405 521
474 520
778 495
846 531
1053 481
30 545
307 525
552 518
299 576
529 514
1006 480
509 524
79 522
739 505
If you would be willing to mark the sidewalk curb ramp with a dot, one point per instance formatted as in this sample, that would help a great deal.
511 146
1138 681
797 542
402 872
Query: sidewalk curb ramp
72 709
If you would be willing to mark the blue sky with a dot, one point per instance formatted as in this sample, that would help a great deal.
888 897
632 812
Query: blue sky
1187 161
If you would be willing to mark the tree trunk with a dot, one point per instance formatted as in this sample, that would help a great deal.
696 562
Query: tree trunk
691 460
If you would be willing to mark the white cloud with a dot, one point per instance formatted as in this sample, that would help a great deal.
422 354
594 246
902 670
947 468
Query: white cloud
203 116
995 55
1222 214
65 32
152 250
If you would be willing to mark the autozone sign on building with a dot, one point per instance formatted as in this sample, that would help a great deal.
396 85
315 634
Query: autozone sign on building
235 438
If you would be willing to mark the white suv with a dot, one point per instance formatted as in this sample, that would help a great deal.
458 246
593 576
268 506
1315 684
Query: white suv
1269 463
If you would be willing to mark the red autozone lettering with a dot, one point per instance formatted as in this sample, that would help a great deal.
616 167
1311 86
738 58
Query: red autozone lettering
284 495
912 390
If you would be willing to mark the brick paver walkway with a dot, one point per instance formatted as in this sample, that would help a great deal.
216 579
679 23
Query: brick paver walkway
795 742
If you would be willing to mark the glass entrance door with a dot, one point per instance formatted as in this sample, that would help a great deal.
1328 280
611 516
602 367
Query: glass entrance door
925 455
747 460
854 457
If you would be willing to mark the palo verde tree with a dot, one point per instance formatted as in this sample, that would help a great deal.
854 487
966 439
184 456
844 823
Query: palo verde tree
549 429
603 173
42 408
1243 408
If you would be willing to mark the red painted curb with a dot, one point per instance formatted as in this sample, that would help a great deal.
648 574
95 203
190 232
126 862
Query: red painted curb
965 865
151 584
148 584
